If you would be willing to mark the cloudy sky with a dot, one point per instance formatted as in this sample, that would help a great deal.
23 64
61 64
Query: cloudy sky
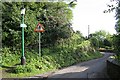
90 12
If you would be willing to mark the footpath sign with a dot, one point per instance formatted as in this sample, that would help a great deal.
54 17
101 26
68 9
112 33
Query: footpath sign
23 25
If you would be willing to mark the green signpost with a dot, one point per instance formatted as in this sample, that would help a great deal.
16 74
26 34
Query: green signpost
23 60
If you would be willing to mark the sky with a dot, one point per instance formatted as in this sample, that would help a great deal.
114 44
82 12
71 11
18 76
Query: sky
90 12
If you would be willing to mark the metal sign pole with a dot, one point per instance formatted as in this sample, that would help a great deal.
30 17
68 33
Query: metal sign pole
39 44
39 29
23 57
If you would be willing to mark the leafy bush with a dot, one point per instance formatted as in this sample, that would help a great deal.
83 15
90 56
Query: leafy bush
23 69
9 57
50 61
117 44
85 46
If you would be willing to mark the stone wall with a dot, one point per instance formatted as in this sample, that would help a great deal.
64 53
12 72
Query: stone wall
113 70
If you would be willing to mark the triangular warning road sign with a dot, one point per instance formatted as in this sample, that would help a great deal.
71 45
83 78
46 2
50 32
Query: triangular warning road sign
39 28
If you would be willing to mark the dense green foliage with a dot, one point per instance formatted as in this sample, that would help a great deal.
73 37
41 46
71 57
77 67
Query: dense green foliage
49 14
117 36
58 56
49 61
101 39
61 46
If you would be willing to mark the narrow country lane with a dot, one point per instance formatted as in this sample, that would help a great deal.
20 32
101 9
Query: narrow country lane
91 69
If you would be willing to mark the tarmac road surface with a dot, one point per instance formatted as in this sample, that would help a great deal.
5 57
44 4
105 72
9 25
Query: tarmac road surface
90 69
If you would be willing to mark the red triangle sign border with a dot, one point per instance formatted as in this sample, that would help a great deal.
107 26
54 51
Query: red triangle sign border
37 29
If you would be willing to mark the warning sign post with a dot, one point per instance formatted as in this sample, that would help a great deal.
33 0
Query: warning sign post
39 29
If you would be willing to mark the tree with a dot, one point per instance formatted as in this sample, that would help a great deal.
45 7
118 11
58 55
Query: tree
81 38
55 17
112 6
117 27
101 39
116 37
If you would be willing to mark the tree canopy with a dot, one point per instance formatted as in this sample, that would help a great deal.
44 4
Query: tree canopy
101 39
55 17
